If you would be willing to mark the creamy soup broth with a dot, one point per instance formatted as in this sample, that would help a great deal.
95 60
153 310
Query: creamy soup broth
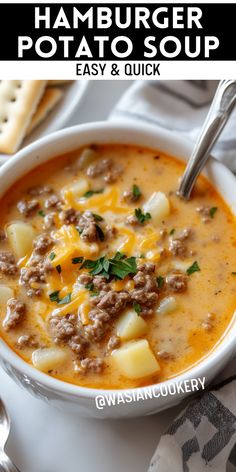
107 278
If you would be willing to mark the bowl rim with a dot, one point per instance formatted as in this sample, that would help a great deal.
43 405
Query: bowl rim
211 360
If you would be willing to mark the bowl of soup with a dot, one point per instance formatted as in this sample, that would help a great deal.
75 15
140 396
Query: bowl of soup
109 283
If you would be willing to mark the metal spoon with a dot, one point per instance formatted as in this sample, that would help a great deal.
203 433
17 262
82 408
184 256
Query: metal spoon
6 465
220 110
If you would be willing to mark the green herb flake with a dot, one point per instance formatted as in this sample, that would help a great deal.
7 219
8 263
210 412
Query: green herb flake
141 217
90 193
96 267
193 268
54 296
172 231
119 266
136 192
66 299
77 260
213 211
100 233
41 213
97 217
160 281
52 256
94 293
58 268
89 286
137 308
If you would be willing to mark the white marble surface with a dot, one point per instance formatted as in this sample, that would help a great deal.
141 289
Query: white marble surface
43 439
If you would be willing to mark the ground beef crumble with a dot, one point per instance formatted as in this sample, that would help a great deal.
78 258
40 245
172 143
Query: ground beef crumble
95 366
113 343
8 264
49 221
35 272
112 302
146 288
130 197
68 330
42 243
106 168
62 327
40 190
69 216
88 226
132 220
177 244
15 314
53 202
28 207
205 213
176 282
98 282
27 340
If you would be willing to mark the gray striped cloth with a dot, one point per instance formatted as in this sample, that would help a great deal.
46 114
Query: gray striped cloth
203 437
179 106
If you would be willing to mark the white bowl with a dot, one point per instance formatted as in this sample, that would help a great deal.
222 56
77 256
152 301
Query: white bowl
79 399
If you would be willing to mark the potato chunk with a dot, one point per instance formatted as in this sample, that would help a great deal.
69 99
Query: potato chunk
130 325
78 188
48 358
167 305
135 359
87 156
21 236
5 294
158 206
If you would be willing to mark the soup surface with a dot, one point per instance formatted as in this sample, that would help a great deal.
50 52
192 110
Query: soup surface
107 278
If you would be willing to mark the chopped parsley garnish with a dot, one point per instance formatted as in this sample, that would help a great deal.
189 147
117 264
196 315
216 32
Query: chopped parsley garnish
41 213
119 266
136 192
100 233
95 293
212 211
193 268
141 217
77 260
66 299
90 193
97 217
142 256
58 268
52 256
89 286
54 296
137 308
160 281
172 231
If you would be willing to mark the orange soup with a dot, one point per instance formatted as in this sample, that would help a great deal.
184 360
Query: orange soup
107 278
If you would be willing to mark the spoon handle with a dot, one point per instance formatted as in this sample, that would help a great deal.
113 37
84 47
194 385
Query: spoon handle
216 119
6 465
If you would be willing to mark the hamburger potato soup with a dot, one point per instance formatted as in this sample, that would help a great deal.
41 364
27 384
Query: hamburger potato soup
107 278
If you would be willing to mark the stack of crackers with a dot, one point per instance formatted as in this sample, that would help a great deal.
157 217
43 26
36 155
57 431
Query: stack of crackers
24 104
